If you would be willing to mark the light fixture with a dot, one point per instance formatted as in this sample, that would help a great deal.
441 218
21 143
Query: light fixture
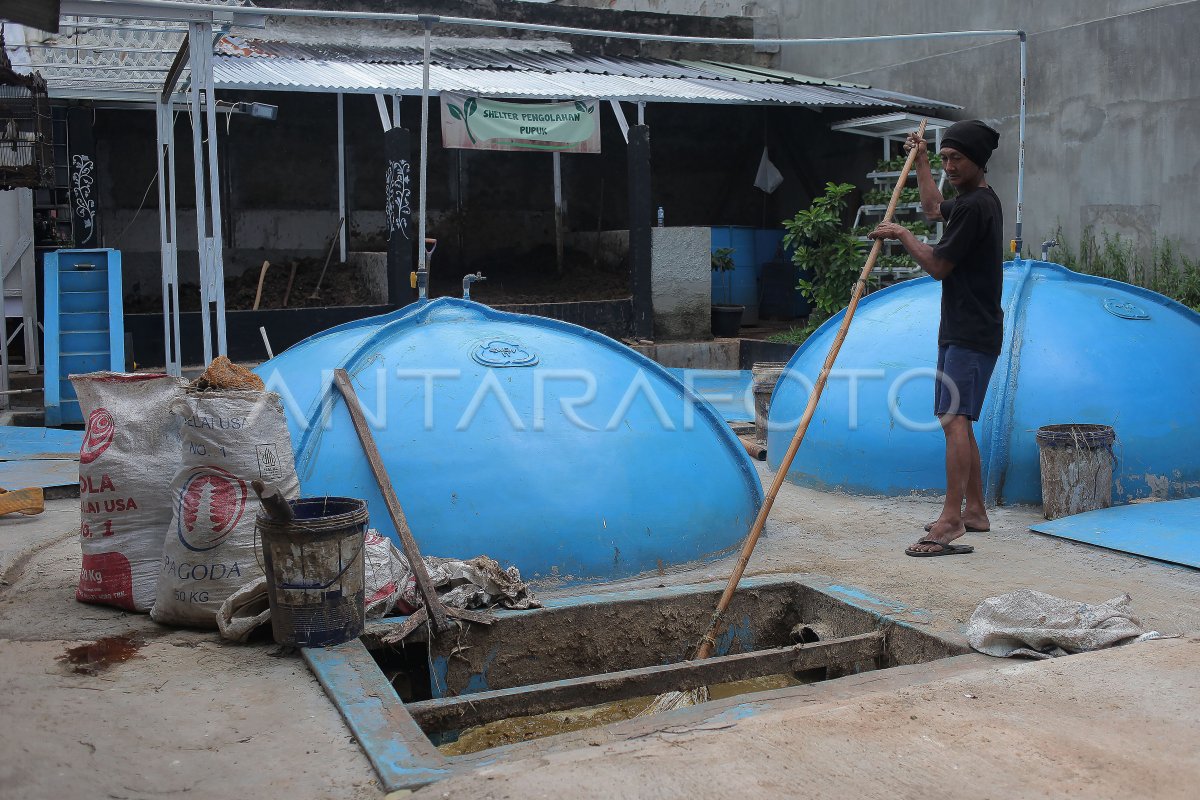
259 110
262 110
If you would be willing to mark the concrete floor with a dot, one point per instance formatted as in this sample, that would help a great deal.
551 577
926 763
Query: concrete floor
192 714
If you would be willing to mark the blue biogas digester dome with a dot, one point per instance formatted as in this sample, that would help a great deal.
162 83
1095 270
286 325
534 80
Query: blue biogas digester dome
1077 349
542 444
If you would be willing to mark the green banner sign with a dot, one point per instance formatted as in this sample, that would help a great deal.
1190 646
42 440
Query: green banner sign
478 123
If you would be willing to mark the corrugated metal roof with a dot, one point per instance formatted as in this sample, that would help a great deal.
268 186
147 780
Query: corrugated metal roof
104 54
134 56
540 72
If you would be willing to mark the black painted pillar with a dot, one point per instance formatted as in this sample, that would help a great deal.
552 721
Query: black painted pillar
641 215
85 213
398 183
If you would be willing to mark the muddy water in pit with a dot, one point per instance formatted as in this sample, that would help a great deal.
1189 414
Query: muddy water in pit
522 729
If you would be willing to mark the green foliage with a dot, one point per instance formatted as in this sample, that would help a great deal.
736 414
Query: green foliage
824 248
896 163
881 197
795 335
901 261
722 261
1161 268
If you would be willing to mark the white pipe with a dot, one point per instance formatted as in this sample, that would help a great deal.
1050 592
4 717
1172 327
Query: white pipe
423 267
384 119
98 8
1021 154
195 112
341 172
622 123
266 342
217 242
166 232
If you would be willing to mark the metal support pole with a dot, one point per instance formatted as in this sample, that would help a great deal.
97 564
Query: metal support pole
217 239
622 123
395 111
167 232
558 211
202 110
3 350
341 173
641 112
423 266
1020 155
385 119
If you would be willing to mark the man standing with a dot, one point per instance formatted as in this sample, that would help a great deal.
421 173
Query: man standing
968 261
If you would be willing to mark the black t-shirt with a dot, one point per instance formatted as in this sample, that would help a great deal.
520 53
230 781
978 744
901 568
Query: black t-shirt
973 241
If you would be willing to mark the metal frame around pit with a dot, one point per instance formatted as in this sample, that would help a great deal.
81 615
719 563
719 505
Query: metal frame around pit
404 757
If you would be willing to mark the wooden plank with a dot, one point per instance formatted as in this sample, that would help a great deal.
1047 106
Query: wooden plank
481 617
405 629
433 603
401 753
465 711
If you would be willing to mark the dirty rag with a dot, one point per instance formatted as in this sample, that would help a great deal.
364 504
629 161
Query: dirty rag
391 586
477 583
1038 625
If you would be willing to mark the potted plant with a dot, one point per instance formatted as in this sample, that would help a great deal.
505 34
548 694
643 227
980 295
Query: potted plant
827 251
726 317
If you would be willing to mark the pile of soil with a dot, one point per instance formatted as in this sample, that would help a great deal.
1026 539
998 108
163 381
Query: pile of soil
336 290
531 276
513 278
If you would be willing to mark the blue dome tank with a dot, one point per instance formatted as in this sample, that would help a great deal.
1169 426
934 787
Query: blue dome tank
542 444
1077 349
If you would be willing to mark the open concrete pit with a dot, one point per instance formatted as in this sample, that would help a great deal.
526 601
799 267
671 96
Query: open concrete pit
592 660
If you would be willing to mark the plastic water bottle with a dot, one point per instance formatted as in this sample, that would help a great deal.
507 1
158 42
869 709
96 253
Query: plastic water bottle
660 216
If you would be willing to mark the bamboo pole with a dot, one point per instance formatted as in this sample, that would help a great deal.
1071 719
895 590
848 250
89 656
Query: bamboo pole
708 641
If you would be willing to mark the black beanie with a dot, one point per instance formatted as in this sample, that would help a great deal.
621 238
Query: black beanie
973 139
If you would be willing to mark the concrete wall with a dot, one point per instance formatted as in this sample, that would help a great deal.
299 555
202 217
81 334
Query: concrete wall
681 282
1113 130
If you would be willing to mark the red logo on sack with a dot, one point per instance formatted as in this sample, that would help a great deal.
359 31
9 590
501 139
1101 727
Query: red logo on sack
105 578
98 437
221 496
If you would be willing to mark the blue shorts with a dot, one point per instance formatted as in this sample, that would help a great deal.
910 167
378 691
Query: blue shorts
962 381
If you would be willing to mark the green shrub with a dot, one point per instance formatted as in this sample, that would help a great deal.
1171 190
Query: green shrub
1161 269
823 247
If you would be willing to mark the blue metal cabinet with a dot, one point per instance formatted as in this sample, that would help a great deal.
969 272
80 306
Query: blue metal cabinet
85 330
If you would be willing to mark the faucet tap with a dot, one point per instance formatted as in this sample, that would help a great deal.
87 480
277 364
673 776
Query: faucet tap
1046 245
468 279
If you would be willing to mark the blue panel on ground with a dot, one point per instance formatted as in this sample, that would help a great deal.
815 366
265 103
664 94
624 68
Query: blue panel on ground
1168 531
44 473
402 755
22 444
726 390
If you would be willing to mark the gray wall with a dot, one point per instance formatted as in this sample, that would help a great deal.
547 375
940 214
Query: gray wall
1113 128
681 282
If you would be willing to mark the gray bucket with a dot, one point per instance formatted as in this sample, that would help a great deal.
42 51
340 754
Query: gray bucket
1077 468
315 571
763 377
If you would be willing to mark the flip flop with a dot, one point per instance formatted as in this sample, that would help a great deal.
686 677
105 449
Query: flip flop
947 549
970 528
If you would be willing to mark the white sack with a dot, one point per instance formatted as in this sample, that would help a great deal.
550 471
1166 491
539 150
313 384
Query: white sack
229 439
129 453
